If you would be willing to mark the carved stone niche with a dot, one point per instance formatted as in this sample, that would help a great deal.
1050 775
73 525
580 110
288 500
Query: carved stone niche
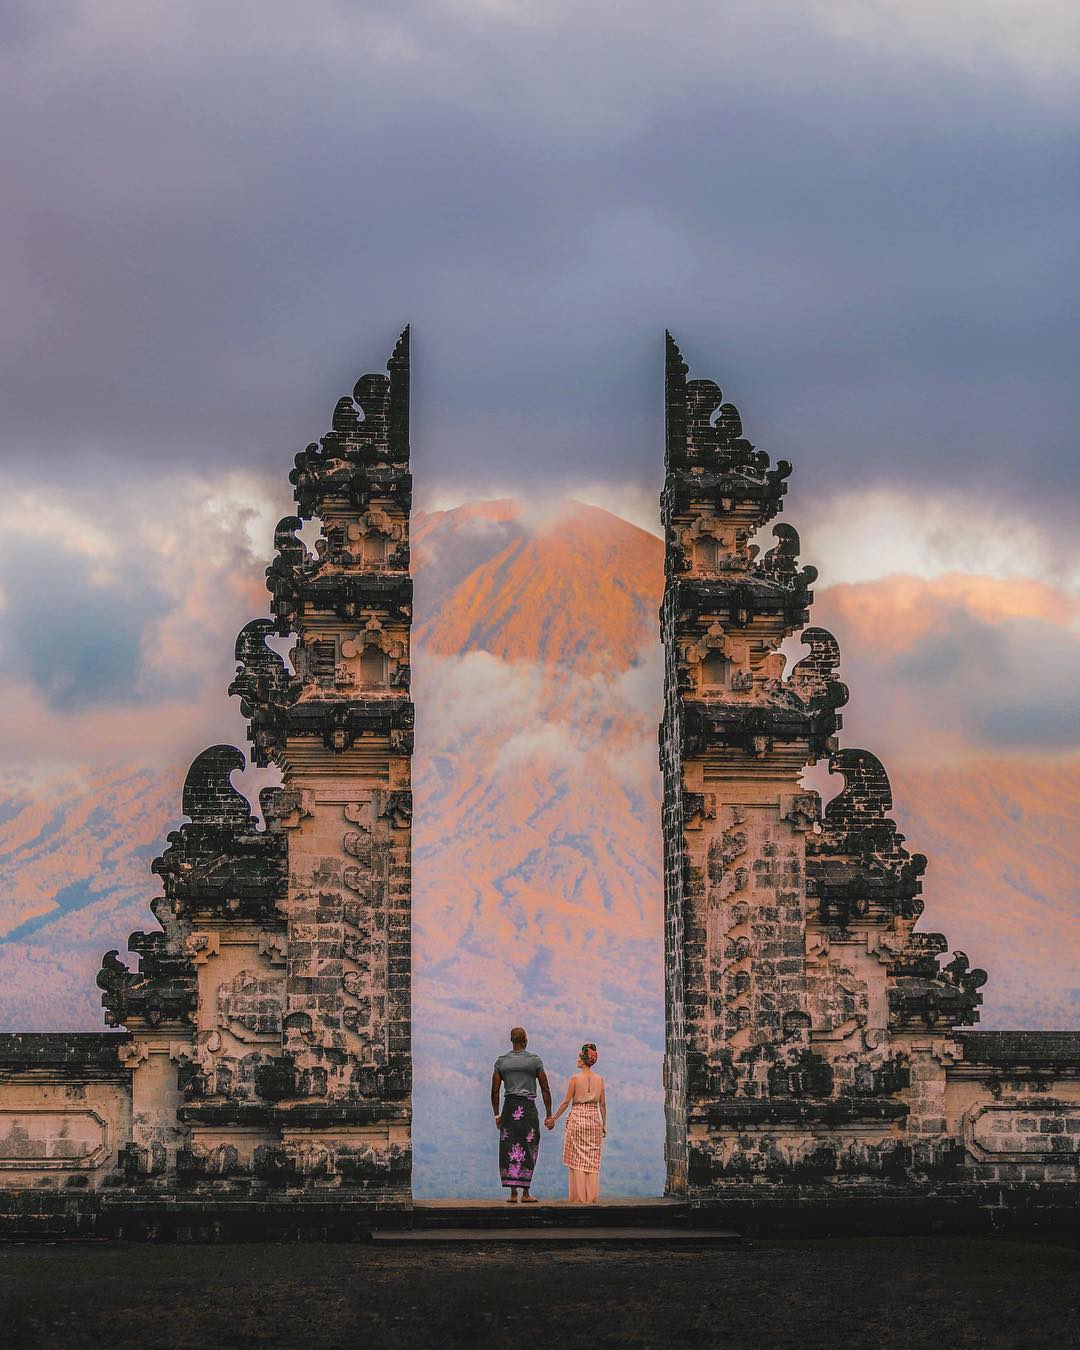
371 658
722 663
365 664
54 1139
315 658
250 1006
712 545
373 540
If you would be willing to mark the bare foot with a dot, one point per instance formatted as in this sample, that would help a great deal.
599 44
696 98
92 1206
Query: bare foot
511 1199
529 1200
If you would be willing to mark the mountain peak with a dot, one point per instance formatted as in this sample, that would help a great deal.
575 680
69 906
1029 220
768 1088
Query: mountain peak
592 578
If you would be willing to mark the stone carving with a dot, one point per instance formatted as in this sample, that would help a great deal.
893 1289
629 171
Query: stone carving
814 677
265 688
67 1139
311 1020
220 864
249 1006
162 990
285 574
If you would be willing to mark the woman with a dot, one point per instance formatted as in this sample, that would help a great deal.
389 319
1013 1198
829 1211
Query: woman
586 1129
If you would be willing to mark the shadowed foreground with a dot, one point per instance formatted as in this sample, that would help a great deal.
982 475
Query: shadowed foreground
867 1292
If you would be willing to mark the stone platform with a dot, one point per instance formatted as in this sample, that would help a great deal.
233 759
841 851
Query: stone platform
128 1216
613 1211
581 1235
619 1221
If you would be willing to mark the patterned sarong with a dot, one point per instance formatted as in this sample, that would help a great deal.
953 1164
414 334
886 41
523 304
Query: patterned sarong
519 1141
584 1137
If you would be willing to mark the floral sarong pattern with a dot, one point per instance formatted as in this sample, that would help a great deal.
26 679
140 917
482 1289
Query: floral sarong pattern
519 1141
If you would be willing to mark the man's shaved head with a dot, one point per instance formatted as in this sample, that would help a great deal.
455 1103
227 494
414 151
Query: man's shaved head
518 1036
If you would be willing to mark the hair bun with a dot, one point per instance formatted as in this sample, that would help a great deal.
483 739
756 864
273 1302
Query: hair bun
588 1054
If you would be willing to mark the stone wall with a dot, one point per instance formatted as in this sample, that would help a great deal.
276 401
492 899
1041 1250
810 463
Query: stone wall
1013 1099
65 1119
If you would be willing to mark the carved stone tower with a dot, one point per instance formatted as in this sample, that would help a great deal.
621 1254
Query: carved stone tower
811 1042
734 740
270 1019
343 736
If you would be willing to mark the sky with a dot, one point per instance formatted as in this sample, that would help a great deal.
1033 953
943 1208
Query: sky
860 217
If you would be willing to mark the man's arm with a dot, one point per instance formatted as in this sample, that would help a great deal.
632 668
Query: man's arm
496 1083
545 1091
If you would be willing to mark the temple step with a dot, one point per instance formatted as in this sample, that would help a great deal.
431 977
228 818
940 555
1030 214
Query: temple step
572 1234
489 1215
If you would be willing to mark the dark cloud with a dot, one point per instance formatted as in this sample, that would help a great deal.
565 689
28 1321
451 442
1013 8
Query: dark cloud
77 640
1017 724
944 682
124 603
217 216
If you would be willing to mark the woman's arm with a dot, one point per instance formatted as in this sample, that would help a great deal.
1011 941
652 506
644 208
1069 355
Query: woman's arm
603 1106
565 1101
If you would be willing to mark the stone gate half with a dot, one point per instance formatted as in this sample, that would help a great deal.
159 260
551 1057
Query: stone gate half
265 1060
813 1047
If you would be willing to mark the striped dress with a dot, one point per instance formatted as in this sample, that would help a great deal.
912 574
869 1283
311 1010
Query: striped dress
584 1137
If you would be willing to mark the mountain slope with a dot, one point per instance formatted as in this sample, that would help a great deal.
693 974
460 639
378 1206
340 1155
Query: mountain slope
537 852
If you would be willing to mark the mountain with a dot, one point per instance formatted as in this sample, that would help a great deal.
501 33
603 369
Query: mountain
76 881
1002 880
579 590
537 852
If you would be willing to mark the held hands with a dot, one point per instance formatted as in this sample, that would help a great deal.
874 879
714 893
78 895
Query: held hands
549 1123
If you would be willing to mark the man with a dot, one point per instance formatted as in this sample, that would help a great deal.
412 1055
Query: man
519 1125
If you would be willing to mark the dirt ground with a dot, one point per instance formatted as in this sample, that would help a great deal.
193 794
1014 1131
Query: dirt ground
838 1293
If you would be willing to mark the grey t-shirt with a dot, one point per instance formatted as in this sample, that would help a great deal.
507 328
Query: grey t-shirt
518 1070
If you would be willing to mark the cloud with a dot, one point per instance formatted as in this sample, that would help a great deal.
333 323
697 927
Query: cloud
460 696
857 216
1035 44
120 617
527 712
866 534
956 666
543 746
637 503
641 686
86 651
